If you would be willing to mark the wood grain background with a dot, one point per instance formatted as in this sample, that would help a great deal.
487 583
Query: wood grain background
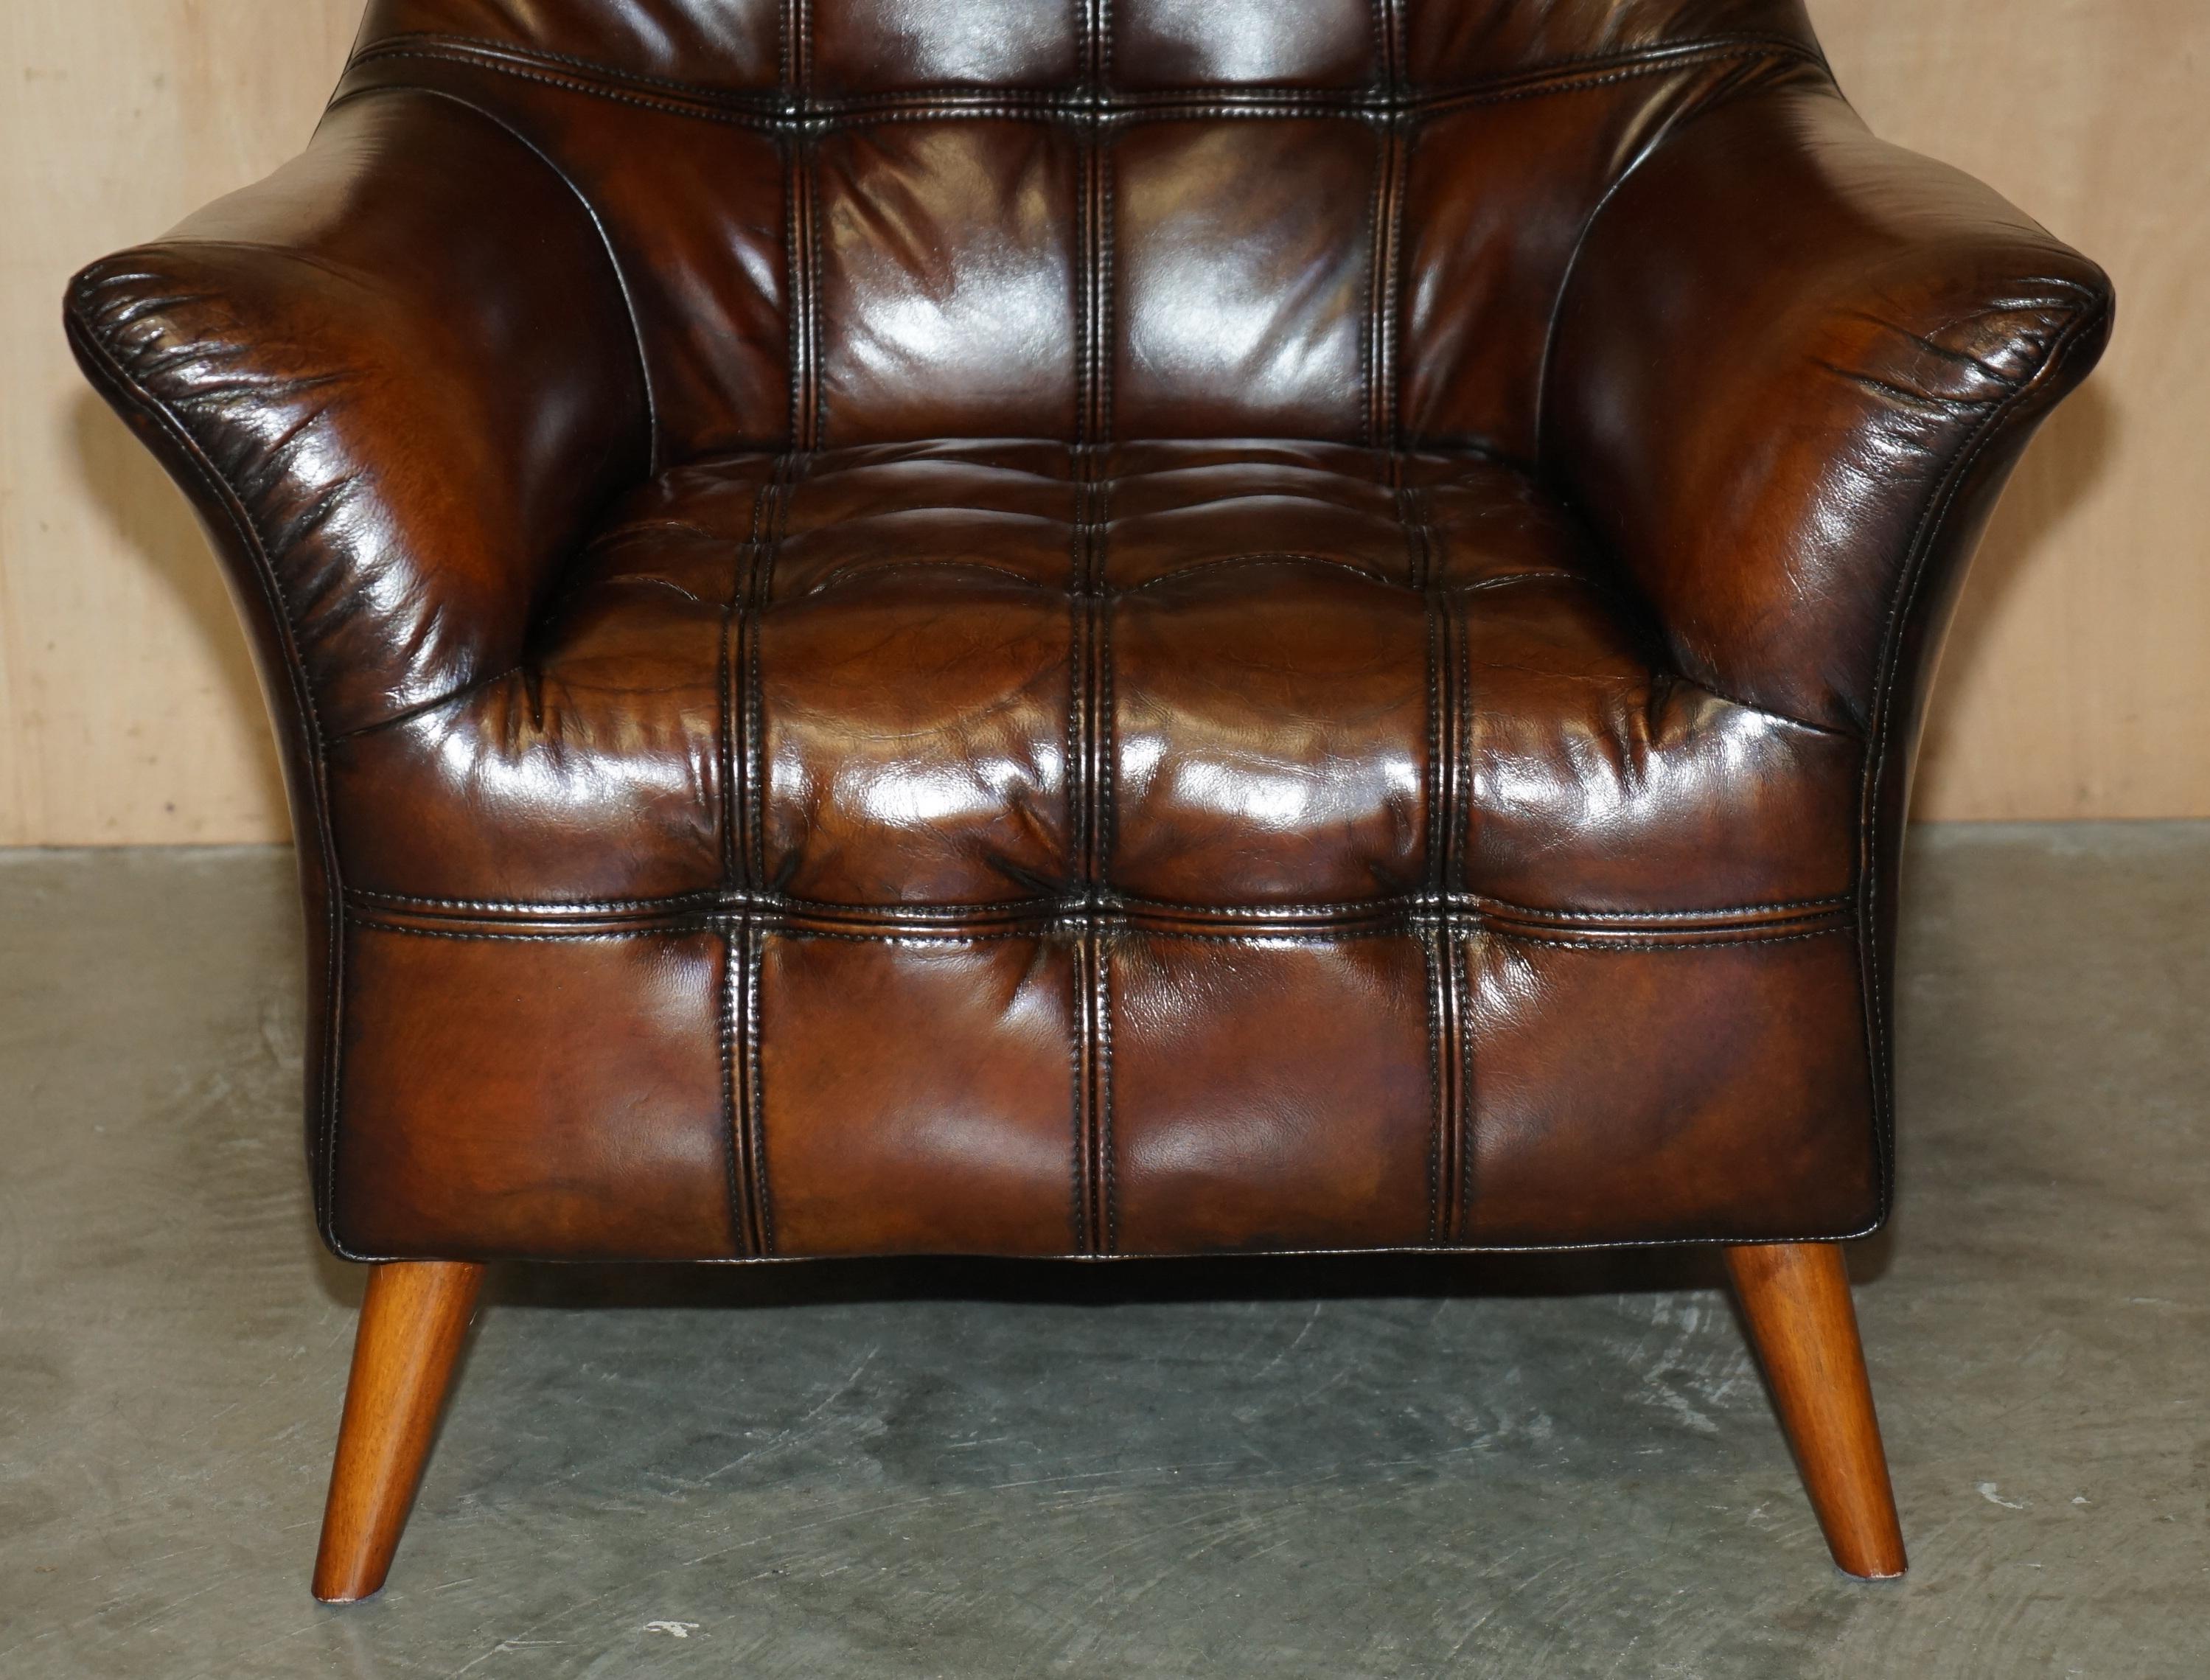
2077 684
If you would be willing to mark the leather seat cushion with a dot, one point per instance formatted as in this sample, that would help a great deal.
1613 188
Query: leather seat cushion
1033 849
1228 675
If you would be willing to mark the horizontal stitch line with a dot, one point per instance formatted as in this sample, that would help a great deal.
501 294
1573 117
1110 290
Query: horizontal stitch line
875 568
1251 932
1281 556
778 114
1832 900
868 569
410 43
1511 937
1564 63
564 937
1082 905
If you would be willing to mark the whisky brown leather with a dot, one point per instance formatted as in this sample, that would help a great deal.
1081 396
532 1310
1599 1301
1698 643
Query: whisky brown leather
918 625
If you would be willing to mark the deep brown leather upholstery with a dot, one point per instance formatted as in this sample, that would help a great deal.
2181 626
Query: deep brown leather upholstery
1118 626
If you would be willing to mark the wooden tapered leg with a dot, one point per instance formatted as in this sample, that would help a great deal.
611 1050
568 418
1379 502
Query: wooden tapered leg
412 1324
1796 1298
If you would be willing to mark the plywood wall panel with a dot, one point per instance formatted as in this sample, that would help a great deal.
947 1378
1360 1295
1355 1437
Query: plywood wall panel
2076 686
128 709
2077 683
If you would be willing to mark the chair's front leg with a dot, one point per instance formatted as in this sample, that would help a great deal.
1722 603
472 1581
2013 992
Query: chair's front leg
413 1321
1796 1298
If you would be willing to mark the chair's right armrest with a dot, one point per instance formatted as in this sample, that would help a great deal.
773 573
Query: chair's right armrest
1792 369
396 379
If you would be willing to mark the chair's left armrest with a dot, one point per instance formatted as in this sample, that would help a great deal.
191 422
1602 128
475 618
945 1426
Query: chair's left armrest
1793 366
397 379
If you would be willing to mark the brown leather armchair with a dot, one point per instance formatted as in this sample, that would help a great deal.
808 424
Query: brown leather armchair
1125 627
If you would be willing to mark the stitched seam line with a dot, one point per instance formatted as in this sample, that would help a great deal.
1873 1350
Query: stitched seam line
1779 45
761 583
802 108
1460 754
762 1196
727 678
1079 728
1430 959
1077 1151
803 261
1387 344
1106 822
1104 921
1377 349
730 1137
654 455
1096 257
86 340
1105 1150
845 574
1516 937
1434 950
1709 99
1887 672
1463 1211
733 900
1401 927
1370 289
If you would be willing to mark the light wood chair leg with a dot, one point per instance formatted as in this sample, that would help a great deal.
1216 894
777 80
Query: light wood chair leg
413 1321
1796 1298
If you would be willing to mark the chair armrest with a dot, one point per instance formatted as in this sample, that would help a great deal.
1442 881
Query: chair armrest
1793 366
395 378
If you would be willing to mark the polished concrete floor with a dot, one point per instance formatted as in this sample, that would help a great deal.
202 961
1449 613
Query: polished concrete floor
1288 1469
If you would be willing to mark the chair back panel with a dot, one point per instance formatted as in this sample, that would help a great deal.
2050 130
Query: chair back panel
845 221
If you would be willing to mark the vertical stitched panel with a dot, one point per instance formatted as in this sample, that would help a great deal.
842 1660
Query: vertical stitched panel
1269 740
618 709
1496 193
1269 1093
914 1093
948 280
1089 817
910 718
1243 265
532 1097
866 47
729 45
1724 1092
1593 784
740 777
1454 41
1311 43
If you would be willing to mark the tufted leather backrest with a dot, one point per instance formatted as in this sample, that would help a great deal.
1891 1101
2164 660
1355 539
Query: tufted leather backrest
843 221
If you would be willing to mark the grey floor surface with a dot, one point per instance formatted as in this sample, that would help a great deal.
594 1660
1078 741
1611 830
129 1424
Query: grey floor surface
1287 1469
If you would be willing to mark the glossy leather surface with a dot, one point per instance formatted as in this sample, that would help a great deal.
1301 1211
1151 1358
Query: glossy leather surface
952 626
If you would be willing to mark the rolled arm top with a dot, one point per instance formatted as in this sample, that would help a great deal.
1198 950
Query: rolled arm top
397 376
1793 365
